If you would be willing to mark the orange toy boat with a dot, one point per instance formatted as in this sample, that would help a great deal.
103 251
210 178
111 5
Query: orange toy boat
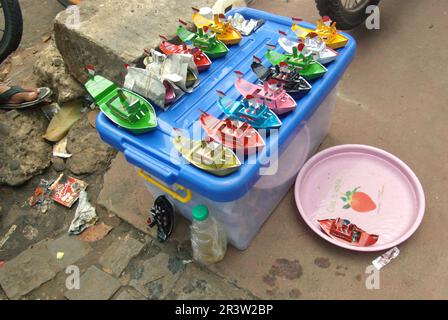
233 134
326 29
201 60
219 25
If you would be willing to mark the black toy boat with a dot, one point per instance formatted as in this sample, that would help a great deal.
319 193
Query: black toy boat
294 83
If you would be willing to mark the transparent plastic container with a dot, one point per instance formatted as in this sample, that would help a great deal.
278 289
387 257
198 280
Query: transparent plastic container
244 200
208 238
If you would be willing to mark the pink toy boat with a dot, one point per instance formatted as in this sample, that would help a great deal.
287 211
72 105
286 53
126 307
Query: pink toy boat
233 134
271 93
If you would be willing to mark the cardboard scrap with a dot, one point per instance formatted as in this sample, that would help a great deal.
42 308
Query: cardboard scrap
95 233
67 190
60 149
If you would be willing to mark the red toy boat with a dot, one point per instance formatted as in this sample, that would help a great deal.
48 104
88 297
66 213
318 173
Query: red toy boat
271 93
233 134
201 60
343 230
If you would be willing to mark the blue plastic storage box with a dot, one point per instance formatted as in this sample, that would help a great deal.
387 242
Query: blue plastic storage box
244 200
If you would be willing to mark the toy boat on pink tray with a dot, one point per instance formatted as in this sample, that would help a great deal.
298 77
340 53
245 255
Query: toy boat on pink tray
314 45
201 60
343 230
271 93
233 134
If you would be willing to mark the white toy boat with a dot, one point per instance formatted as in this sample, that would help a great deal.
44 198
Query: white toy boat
314 45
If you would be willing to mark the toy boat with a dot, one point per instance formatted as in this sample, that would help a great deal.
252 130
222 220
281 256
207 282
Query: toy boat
209 44
151 86
179 69
342 230
233 134
294 84
224 29
207 155
326 29
314 45
245 27
271 93
256 114
123 107
306 66
200 58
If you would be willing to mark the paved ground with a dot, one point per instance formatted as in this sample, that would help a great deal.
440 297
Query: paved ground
391 97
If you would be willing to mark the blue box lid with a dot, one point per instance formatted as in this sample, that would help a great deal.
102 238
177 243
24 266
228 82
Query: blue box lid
153 151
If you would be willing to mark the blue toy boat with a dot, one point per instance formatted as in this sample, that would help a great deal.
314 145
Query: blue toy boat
248 109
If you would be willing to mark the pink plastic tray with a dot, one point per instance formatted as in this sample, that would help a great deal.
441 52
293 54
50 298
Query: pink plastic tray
397 202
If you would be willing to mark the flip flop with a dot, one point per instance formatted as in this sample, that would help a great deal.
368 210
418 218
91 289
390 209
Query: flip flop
7 95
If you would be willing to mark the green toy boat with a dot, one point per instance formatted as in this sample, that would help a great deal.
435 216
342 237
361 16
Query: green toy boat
306 66
123 107
207 155
209 44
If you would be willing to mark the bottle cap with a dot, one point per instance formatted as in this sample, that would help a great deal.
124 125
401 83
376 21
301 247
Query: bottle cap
200 213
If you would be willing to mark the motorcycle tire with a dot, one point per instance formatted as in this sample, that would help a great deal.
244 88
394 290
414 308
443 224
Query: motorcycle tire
346 19
12 34
67 3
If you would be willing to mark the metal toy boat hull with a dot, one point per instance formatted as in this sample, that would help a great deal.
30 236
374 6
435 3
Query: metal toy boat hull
335 42
296 86
278 101
105 93
225 32
234 110
201 60
189 149
326 56
343 230
221 131
204 43
310 71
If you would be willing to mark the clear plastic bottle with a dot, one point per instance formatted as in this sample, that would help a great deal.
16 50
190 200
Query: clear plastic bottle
208 238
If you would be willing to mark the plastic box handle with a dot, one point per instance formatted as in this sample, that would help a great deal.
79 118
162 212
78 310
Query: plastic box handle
163 172
175 195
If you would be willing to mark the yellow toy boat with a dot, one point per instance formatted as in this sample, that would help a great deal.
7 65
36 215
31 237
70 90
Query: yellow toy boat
219 25
326 29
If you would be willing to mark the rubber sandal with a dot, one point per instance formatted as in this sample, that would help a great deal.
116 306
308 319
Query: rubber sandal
7 95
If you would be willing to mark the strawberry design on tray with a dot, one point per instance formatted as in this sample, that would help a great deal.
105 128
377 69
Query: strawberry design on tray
358 201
